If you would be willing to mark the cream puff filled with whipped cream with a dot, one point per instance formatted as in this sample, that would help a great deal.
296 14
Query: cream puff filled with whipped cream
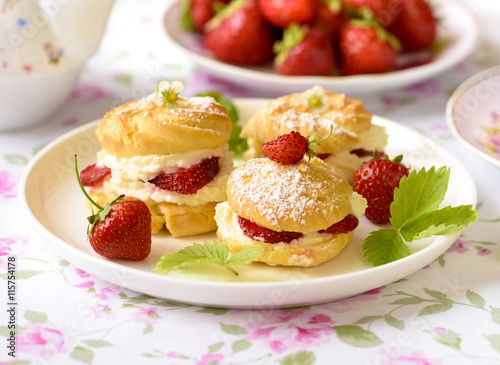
303 214
168 151
354 137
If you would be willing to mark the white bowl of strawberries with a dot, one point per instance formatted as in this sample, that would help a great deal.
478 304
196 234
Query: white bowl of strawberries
350 46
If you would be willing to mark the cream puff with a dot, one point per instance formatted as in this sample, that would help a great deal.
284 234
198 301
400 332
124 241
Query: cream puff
304 214
168 151
354 136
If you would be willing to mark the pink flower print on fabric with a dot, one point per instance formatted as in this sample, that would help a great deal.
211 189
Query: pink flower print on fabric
148 316
459 246
81 273
88 93
102 311
8 187
296 330
41 341
210 359
108 293
414 358
484 252
353 303
85 285
11 246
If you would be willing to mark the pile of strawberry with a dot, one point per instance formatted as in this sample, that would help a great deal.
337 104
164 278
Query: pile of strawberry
313 37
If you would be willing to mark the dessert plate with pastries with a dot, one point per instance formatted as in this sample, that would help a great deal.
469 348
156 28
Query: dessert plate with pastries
172 154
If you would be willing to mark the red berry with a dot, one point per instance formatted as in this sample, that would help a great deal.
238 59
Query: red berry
376 180
415 27
94 175
262 234
348 224
190 179
286 149
125 233
329 18
240 35
281 13
384 12
310 54
362 51
202 11
361 152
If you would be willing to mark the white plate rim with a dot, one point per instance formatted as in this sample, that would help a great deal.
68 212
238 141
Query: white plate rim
355 83
455 98
386 273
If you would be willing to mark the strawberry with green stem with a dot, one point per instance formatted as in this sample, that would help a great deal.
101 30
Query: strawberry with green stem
120 229
290 148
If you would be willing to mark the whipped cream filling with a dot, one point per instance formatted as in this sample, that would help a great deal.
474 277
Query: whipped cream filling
229 228
130 176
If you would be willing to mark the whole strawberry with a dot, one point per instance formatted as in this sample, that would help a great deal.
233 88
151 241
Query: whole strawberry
304 51
376 180
201 11
282 13
366 48
415 26
239 34
290 148
121 229
384 12
330 16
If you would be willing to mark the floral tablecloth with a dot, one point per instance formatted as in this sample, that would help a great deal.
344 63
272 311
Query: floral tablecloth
446 313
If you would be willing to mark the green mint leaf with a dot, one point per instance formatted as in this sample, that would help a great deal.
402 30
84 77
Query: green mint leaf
420 192
384 246
213 249
207 253
448 220
246 256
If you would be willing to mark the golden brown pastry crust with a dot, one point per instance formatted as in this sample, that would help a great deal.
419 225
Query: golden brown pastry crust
142 128
294 255
292 112
303 197
180 220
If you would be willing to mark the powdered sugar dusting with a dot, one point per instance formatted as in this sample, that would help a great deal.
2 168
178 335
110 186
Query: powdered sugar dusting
277 195
294 120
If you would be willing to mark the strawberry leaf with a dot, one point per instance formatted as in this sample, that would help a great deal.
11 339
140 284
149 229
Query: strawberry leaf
384 246
439 222
207 253
420 192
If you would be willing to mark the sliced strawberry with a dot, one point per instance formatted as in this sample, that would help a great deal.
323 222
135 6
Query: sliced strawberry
349 223
361 152
190 179
94 175
262 234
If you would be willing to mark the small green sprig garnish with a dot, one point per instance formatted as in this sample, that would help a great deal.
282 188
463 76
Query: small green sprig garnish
415 214
208 253
311 143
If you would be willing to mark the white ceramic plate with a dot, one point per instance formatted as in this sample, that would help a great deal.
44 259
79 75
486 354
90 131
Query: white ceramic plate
458 26
472 107
57 208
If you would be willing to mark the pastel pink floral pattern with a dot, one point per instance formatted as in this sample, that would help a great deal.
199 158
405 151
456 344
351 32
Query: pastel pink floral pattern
11 246
148 316
414 358
296 330
353 303
8 187
210 359
41 341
